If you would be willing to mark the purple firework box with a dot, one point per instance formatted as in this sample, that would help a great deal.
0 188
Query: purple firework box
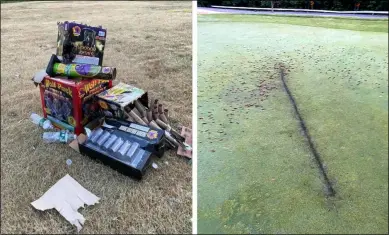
88 42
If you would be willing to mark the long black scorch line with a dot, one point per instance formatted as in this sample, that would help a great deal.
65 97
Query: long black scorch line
331 191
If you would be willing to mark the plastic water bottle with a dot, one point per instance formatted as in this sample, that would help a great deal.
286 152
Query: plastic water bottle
40 121
63 136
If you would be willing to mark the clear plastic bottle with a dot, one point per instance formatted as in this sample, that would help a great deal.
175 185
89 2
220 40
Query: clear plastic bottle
63 136
40 121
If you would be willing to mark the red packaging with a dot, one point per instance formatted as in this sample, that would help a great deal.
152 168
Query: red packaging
71 104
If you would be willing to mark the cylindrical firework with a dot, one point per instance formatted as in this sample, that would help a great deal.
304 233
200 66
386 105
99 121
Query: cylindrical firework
155 113
130 119
103 138
84 71
163 118
166 112
149 115
162 124
177 135
136 118
137 158
96 134
132 150
124 148
136 112
154 125
156 102
140 107
172 140
115 147
160 108
109 142
145 120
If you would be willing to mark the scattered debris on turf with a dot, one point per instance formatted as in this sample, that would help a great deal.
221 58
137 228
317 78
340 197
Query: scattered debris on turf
66 196
117 125
187 134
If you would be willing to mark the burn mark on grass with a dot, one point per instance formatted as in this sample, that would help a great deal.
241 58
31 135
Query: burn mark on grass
329 190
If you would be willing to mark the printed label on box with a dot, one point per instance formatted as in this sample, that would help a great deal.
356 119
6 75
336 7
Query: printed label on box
139 127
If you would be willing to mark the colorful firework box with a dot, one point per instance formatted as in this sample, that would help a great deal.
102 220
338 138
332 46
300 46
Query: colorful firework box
114 101
71 104
125 146
88 42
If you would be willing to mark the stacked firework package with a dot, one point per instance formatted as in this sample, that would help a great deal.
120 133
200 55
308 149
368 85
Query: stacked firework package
74 76
121 129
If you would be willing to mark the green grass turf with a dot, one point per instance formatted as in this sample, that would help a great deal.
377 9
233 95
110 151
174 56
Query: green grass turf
255 171
371 25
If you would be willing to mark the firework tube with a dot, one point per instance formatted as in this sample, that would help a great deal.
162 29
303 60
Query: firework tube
162 124
136 118
173 132
163 118
129 118
145 120
160 108
140 108
155 113
177 135
166 112
149 115
57 68
172 140
154 125
137 112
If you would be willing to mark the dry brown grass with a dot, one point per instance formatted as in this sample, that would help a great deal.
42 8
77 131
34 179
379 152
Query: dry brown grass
150 44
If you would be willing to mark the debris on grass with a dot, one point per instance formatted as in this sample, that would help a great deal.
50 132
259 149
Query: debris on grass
66 196
187 134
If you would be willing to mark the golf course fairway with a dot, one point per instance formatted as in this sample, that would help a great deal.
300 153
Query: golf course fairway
256 173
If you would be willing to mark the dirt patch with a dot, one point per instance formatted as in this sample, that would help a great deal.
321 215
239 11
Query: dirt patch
251 92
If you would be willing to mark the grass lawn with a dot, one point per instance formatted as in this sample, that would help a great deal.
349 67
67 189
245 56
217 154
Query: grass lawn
255 171
150 44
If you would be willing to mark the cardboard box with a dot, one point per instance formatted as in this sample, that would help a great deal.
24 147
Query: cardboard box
114 101
125 146
85 42
71 104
